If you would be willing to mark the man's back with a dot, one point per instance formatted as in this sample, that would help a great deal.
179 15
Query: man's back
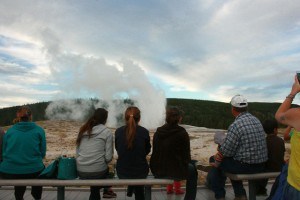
245 140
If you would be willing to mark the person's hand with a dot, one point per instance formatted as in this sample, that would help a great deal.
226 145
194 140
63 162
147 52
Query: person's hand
295 87
287 161
213 164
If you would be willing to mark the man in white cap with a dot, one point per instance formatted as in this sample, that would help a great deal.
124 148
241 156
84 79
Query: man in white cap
244 149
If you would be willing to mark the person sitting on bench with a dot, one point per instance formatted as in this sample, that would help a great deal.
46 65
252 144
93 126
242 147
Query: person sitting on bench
94 151
132 143
244 150
276 151
24 147
171 156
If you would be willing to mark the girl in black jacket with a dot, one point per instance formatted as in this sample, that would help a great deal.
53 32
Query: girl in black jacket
171 156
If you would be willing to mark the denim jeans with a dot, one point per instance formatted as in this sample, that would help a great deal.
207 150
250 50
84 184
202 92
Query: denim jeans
191 182
290 193
230 165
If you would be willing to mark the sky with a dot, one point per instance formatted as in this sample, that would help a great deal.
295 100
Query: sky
154 49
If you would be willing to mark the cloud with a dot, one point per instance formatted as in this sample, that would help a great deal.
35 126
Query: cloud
211 48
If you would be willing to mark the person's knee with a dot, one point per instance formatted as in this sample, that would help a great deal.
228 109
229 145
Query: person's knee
192 171
192 168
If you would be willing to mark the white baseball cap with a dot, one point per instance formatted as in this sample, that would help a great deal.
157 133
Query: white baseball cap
239 101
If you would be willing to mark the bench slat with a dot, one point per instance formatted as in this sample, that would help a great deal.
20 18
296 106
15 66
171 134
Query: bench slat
238 177
80 182
251 180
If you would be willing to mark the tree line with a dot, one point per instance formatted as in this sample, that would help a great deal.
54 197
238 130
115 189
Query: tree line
202 113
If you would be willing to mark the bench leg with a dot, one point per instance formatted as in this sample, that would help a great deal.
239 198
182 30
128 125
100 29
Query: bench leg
60 193
252 190
148 192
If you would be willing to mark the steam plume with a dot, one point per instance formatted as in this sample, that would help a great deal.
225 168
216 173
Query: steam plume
82 76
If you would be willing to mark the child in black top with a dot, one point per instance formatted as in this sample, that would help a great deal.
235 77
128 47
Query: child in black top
276 151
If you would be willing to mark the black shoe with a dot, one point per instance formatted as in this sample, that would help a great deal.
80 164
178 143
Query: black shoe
262 192
129 191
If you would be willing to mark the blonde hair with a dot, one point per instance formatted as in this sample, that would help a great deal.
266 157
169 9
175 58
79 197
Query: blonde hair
132 118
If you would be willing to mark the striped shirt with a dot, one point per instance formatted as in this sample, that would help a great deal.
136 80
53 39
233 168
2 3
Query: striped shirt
245 140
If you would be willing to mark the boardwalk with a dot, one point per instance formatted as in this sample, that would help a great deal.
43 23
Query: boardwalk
6 193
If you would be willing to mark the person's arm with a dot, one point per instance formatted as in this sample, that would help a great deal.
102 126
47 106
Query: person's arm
231 143
286 135
1 141
147 144
282 146
109 150
43 145
285 114
218 159
116 139
188 147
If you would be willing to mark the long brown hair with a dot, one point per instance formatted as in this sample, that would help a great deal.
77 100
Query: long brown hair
132 118
99 117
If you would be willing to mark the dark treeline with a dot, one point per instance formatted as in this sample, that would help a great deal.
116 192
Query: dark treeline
202 113
213 114
7 115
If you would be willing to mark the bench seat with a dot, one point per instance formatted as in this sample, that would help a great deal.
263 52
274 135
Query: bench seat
251 180
61 184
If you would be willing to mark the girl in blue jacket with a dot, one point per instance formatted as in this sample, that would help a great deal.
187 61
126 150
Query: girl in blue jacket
24 147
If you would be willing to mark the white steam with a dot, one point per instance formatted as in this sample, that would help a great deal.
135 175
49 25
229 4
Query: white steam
84 77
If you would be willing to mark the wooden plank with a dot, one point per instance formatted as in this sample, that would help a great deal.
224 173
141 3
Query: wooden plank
252 176
157 194
78 182
251 180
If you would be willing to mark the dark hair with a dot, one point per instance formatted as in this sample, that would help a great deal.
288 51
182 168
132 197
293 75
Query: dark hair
269 126
99 117
173 115
132 118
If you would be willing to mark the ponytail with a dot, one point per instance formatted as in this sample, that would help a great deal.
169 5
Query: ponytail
132 118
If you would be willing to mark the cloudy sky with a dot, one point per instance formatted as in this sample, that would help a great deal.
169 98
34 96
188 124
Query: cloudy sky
205 49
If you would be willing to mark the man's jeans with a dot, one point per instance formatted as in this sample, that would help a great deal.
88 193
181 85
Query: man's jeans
218 177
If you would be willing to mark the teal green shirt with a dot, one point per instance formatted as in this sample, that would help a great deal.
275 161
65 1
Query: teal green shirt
24 147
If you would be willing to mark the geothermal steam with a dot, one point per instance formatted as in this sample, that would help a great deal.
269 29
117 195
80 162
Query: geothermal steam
87 82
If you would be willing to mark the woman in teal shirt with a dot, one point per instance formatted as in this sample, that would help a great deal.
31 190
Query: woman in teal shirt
24 147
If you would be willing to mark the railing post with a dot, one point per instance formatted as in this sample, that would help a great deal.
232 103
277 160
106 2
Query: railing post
148 192
61 193
252 190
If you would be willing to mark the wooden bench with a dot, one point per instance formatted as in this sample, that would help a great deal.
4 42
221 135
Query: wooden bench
251 180
61 184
